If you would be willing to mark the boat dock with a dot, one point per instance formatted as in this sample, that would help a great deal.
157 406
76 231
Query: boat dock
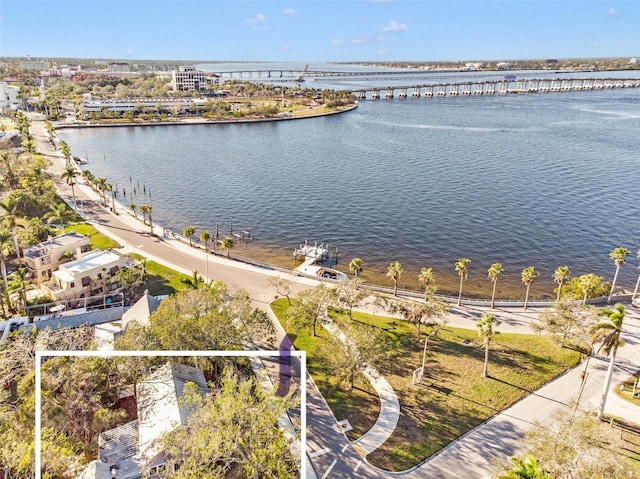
317 252
315 255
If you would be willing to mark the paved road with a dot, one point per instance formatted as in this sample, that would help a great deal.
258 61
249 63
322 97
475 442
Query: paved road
332 455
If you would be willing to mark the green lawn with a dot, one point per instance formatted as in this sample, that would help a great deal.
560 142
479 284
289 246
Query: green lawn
161 280
96 240
627 392
454 397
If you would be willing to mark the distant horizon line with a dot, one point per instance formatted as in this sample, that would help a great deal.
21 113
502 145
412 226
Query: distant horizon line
312 61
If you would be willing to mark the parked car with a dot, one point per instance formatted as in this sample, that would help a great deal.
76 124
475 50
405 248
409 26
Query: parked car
636 302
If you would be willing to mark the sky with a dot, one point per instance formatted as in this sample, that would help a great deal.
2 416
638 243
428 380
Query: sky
319 31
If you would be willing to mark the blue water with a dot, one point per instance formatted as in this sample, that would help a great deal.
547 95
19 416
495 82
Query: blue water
536 179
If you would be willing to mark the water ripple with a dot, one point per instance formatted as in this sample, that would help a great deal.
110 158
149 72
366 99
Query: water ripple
543 180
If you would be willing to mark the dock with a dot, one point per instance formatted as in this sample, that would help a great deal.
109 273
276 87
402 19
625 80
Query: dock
317 252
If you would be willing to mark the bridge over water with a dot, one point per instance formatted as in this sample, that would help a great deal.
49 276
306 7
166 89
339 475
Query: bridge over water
337 76
493 87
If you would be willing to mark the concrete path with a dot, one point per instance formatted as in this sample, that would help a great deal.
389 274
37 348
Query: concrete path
389 405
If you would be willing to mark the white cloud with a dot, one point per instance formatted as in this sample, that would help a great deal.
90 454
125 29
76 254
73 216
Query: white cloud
382 52
395 27
592 43
259 18
613 12
359 40
283 48
337 41
288 11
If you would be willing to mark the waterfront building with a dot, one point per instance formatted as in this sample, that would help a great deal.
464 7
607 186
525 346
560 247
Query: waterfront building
44 258
187 78
176 106
90 275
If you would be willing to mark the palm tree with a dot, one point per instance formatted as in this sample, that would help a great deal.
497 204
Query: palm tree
426 278
635 291
618 256
355 266
527 468
29 145
50 129
560 276
493 273
13 181
528 276
588 283
11 219
205 237
109 188
5 238
462 267
19 281
132 208
192 282
607 333
146 210
189 231
228 244
59 214
149 209
486 326
394 272
70 174
66 152
101 185
89 178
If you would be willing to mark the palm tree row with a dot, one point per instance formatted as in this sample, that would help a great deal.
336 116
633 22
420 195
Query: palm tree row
205 237
588 284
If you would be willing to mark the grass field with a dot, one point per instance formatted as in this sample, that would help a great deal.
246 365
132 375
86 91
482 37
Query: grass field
96 240
161 280
454 397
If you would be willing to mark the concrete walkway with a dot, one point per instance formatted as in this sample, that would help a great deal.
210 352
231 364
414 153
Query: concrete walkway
389 405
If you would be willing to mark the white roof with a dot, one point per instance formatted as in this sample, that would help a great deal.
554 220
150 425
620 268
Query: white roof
91 260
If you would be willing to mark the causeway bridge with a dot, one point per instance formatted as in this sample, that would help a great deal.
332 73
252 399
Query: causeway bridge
495 87
282 75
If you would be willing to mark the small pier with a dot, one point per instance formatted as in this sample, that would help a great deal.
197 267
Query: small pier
314 261
318 252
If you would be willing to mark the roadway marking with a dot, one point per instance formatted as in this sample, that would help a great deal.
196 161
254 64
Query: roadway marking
355 469
329 470
344 448
319 453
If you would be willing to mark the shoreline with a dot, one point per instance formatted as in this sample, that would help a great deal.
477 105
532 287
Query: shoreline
199 120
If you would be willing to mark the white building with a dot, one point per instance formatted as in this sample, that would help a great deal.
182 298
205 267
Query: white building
91 275
176 106
44 258
9 96
189 79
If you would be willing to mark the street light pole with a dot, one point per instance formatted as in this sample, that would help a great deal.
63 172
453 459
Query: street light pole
424 353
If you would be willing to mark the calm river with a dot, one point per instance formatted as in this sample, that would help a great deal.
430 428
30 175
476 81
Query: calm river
525 180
